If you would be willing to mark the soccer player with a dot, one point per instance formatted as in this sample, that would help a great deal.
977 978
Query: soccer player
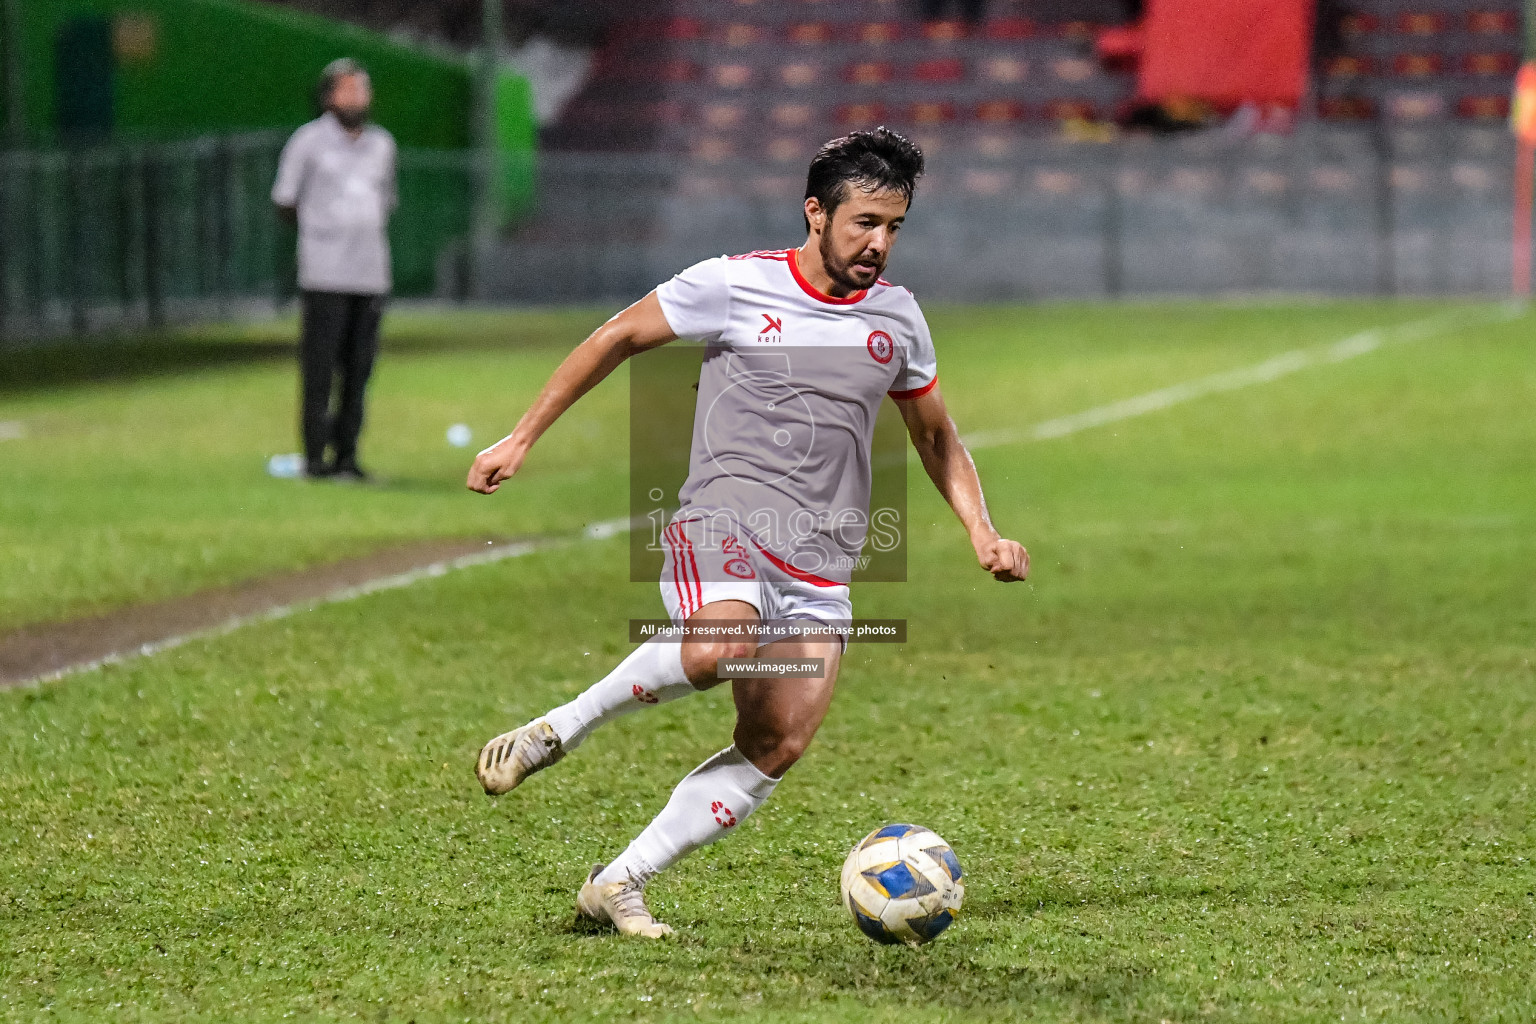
801 347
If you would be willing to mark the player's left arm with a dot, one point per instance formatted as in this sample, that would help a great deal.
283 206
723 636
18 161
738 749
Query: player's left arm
949 466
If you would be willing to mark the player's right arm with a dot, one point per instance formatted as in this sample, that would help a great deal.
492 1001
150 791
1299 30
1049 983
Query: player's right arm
640 327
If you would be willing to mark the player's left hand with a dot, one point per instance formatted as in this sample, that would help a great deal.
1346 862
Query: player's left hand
1006 560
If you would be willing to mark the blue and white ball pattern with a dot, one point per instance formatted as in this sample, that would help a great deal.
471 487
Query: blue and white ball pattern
902 883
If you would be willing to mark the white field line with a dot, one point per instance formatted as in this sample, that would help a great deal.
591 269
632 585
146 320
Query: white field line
498 553
1273 368
1153 401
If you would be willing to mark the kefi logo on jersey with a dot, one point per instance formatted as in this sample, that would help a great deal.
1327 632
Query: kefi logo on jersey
773 330
881 347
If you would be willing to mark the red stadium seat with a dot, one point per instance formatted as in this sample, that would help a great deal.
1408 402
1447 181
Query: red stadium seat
1493 23
944 70
812 33
861 114
1359 24
1001 111
944 31
1347 108
1008 30
1424 23
682 28
1352 66
1490 107
876 33
932 112
1070 110
870 72
673 71
1489 64
1417 65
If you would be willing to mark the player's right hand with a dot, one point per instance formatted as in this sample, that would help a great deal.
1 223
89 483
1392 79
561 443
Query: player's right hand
495 464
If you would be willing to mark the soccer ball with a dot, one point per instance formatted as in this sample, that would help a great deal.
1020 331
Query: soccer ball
902 883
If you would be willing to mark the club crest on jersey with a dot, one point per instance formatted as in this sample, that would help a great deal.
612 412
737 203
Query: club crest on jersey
881 347
740 568
773 330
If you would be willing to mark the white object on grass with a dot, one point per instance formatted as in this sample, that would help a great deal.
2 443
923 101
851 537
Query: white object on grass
286 467
459 435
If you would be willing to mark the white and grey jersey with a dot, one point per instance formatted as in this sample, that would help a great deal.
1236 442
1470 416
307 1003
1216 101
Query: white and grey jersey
344 190
791 384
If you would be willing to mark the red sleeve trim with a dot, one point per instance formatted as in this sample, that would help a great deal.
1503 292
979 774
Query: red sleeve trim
907 396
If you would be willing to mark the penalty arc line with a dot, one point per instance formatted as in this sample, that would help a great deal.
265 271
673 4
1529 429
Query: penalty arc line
1271 369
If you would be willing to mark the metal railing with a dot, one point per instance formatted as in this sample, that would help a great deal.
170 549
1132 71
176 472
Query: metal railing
126 237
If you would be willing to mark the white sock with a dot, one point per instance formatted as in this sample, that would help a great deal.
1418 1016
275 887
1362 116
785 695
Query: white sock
710 801
652 674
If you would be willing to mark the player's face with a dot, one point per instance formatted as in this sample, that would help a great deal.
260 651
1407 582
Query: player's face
856 240
351 97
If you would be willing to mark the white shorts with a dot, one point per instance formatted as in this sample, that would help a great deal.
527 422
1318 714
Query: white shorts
695 573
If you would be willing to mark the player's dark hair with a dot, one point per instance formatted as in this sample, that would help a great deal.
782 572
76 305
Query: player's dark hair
871 161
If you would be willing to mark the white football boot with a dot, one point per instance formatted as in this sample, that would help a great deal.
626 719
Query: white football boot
513 756
621 904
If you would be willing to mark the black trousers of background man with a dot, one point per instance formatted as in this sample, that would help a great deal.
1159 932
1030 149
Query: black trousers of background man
970 10
340 340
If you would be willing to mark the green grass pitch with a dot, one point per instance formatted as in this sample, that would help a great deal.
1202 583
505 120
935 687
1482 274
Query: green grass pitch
1254 744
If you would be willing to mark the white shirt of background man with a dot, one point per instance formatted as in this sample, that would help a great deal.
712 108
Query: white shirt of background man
343 187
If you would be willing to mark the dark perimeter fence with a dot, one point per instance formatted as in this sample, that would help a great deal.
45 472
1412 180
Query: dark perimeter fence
125 237
134 236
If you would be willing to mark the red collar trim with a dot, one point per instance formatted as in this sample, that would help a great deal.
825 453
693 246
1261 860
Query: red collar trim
817 293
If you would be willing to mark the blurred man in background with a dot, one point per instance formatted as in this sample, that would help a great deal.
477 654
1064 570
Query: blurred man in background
336 176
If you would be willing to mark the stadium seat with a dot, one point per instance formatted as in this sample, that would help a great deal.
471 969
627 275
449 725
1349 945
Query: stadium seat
944 31
931 112
1489 64
878 33
1350 66
792 115
731 76
938 71
798 76
1347 108
1010 30
742 34
1417 65
1415 106
1359 25
1001 111
1423 23
1493 23
723 115
813 33
861 115
682 29
1070 110
1490 107
869 72
1005 70
1072 69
